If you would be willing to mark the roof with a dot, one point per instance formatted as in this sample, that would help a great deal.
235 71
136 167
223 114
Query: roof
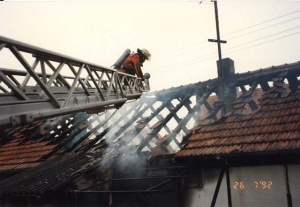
271 127
25 147
22 152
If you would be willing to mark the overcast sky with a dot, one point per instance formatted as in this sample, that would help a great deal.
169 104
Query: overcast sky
259 33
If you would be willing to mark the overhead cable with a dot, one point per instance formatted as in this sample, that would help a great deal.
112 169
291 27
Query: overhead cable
236 32
232 38
260 23
262 38
226 53
237 46
263 43
264 28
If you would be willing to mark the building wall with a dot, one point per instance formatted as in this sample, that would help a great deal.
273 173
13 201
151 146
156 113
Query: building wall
258 186
267 186
198 196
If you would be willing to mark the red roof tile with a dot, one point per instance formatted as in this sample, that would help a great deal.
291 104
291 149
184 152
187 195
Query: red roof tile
23 147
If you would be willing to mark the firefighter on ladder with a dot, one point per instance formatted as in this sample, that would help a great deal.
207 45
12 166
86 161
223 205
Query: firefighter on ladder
133 63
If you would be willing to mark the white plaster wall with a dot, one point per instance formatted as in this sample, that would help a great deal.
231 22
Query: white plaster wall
250 187
258 186
199 197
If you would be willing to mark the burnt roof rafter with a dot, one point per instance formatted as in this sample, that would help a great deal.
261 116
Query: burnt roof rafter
138 107
293 82
146 121
165 121
265 75
138 114
93 131
184 121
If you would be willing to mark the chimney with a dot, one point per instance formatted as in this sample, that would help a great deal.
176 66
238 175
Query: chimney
227 75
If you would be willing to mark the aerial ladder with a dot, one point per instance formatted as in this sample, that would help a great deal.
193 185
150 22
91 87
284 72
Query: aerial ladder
48 84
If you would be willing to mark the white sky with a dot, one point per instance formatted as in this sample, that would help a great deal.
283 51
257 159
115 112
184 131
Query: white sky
175 33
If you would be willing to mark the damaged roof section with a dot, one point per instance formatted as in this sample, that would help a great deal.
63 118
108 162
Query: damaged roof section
163 113
22 147
262 119
164 119
156 114
25 147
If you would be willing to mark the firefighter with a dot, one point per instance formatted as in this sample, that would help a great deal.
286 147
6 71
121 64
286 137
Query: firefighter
133 63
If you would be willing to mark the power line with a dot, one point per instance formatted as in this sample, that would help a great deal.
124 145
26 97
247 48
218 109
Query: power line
183 53
237 45
262 38
265 28
261 23
194 58
236 32
240 36
230 52
156 71
263 43
233 37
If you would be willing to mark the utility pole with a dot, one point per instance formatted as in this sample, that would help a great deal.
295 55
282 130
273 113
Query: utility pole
221 90
220 67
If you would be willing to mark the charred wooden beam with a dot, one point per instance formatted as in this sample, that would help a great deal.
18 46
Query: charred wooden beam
166 120
185 120
213 202
134 118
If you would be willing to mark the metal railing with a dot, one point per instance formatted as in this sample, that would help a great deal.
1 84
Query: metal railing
50 84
